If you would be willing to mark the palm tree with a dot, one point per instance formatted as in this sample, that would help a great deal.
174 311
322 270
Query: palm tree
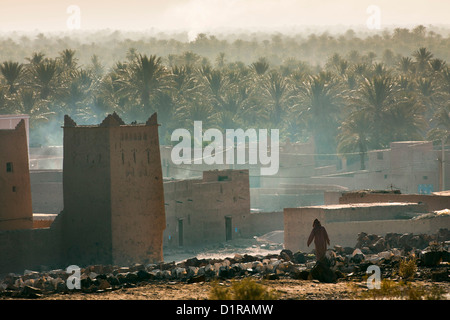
230 110
76 97
33 106
422 59
441 122
198 110
11 71
260 67
36 58
68 58
184 82
406 120
276 95
215 82
437 65
406 65
374 97
190 58
165 105
354 136
319 108
220 60
45 76
143 78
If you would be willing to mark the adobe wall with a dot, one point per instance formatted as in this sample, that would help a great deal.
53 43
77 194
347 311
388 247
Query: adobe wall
259 223
15 191
137 194
47 191
30 249
113 192
201 207
87 195
433 202
344 222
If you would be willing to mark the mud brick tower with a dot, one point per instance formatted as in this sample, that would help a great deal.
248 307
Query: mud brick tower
113 193
15 191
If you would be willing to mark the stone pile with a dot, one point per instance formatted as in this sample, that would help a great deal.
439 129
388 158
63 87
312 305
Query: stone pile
372 243
341 263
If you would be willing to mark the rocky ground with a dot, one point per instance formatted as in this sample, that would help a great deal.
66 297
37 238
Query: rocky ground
195 273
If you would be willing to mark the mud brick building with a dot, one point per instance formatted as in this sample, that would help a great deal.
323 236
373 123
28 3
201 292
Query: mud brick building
113 192
15 191
113 199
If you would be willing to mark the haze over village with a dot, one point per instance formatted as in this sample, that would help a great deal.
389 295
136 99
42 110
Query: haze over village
290 146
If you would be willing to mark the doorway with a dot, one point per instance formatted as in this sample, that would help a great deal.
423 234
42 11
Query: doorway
228 228
180 232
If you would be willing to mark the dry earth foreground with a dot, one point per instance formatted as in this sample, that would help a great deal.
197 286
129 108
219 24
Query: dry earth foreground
411 267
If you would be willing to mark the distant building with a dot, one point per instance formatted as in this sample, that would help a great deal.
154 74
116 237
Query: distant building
15 191
413 167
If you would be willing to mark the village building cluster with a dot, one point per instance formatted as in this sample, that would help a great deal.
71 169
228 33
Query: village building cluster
112 195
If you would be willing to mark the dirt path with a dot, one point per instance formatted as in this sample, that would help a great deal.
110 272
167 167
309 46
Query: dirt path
285 289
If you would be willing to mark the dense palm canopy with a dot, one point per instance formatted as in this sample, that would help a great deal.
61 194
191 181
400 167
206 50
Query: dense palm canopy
348 102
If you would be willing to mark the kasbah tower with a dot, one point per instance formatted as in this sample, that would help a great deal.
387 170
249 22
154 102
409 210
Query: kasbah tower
113 193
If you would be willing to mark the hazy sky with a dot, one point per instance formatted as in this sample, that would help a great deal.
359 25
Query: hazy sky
207 15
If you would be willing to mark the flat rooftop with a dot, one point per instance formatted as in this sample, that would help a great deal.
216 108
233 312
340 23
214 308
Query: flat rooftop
360 205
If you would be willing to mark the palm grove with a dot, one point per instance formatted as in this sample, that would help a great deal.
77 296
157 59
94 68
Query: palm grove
351 103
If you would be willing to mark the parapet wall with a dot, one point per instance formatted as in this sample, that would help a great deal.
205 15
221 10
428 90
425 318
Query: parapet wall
433 202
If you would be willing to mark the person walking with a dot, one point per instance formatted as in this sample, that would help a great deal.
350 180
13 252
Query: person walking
320 236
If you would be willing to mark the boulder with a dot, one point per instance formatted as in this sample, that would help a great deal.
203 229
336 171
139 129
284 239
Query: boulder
392 240
405 241
132 277
378 246
440 275
286 255
431 258
31 292
299 257
143 275
224 272
338 249
322 273
103 284
196 279
192 262
357 256
112 279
